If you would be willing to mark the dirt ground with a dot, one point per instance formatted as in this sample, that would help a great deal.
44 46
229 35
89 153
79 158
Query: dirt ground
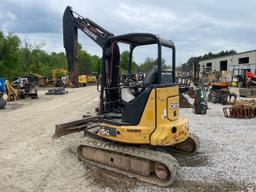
31 160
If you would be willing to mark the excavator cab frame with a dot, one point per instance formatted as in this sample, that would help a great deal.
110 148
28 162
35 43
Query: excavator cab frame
111 89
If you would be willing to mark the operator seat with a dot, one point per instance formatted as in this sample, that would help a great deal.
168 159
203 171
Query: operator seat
126 93
134 109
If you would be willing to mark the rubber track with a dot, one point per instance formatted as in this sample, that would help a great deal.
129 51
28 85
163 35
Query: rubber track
168 160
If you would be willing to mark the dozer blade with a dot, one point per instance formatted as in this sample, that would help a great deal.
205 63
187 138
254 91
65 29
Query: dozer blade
143 164
75 126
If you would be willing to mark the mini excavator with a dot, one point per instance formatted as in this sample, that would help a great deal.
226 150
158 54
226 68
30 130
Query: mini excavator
137 127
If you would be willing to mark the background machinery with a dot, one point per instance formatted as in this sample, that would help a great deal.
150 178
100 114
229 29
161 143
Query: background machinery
243 78
59 78
18 89
2 91
138 125
219 93
11 92
22 88
38 79
83 80
200 101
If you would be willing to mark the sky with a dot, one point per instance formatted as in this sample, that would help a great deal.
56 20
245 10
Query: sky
196 27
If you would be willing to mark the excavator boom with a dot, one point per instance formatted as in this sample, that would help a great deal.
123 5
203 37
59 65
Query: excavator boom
72 21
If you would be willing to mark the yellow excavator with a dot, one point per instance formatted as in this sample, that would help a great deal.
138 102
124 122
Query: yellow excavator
138 126
12 93
18 89
59 77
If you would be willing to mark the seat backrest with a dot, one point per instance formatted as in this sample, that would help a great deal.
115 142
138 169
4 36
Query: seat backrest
151 77
133 110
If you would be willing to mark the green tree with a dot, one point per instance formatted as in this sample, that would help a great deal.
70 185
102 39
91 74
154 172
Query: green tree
124 60
148 64
47 62
135 67
20 59
95 62
9 46
29 55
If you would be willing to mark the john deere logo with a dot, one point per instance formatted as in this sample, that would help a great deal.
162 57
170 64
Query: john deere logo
92 35
174 106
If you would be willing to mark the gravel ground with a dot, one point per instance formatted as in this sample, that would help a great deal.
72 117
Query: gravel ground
30 160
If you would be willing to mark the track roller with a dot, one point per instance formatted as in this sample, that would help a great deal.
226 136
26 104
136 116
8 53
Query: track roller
143 164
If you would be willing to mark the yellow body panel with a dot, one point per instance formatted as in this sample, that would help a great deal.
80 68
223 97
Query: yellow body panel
82 79
160 123
168 118
91 79
138 134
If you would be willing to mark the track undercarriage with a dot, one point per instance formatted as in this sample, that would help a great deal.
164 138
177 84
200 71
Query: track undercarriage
151 164
144 164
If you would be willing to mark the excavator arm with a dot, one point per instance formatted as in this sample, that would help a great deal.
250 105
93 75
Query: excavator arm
12 93
72 21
